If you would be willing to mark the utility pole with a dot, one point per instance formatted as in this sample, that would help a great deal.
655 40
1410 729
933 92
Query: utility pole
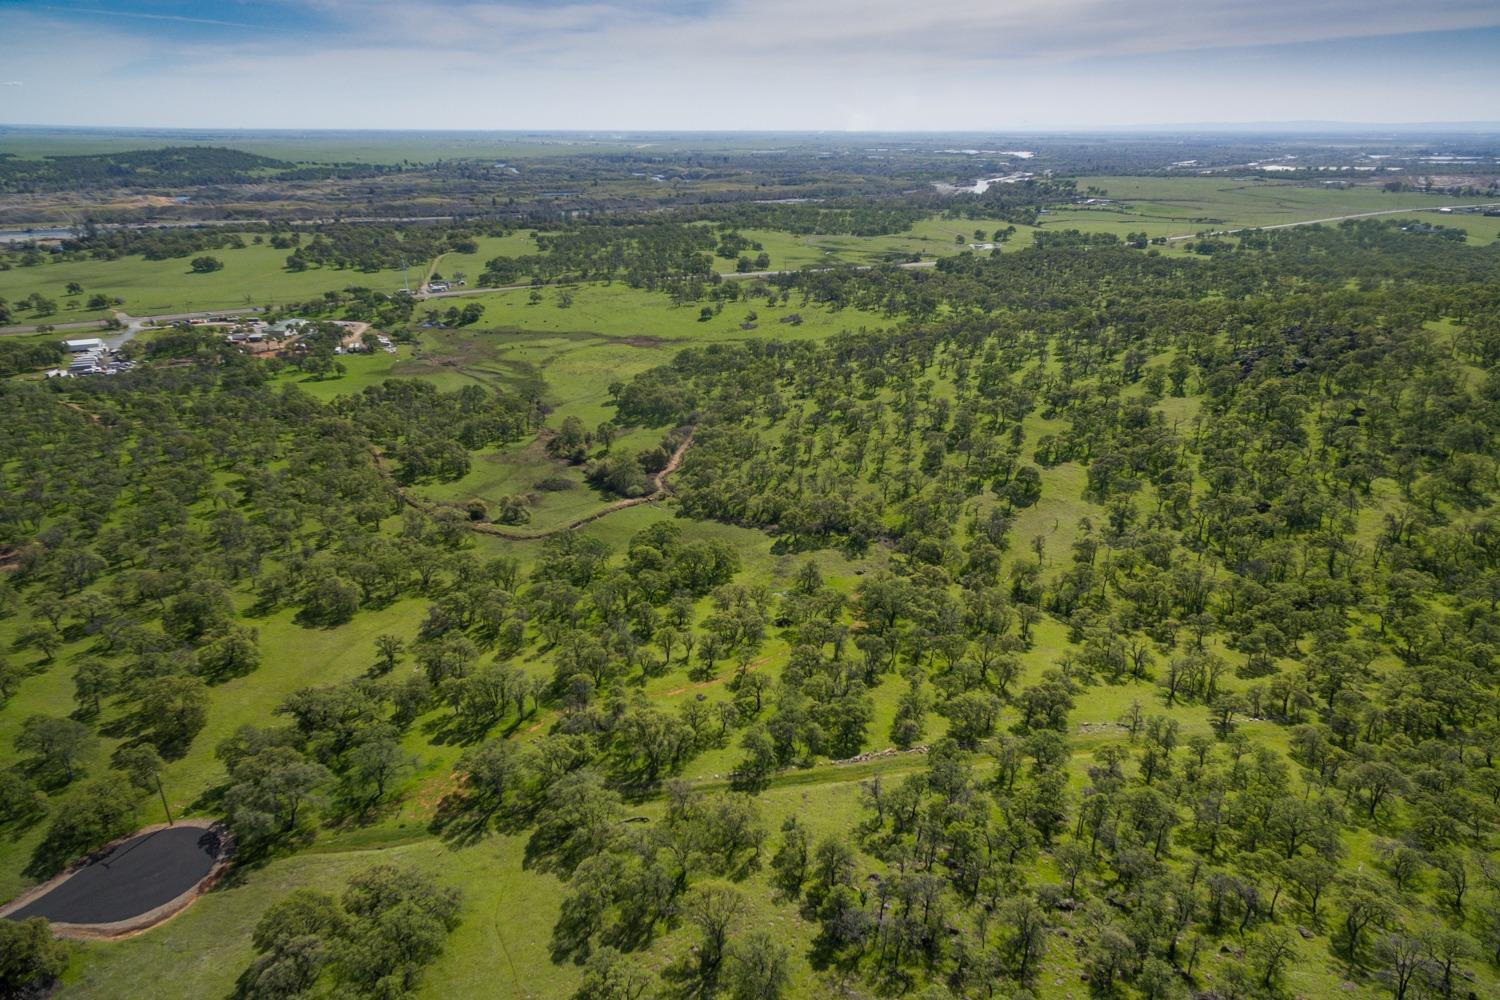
165 808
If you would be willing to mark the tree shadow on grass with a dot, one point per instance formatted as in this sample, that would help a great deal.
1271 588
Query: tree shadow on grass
453 728
210 800
348 812
463 820
51 856
253 856
824 955
685 978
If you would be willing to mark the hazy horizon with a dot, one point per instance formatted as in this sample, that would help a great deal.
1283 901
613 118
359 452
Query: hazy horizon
730 65
1143 129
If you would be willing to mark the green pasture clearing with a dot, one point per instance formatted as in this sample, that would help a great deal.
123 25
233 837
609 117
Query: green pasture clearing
935 236
1171 206
788 251
516 471
618 310
253 276
569 371
360 370
1482 229
471 265
1216 202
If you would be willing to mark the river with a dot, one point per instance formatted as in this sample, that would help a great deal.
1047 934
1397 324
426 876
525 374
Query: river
22 235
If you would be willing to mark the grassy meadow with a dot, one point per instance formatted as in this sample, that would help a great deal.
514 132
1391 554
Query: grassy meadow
252 276
1159 206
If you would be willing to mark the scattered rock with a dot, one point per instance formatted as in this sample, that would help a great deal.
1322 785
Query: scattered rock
877 754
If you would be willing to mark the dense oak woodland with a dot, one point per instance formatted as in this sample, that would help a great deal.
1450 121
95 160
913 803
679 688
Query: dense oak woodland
1288 448
1247 541
173 166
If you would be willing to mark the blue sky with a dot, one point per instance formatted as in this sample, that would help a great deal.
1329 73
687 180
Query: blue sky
745 64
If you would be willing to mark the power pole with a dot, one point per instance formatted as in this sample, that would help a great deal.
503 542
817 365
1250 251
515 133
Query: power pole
165 808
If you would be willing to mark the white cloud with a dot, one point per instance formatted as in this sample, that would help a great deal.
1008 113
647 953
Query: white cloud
141 15
966 30
774 64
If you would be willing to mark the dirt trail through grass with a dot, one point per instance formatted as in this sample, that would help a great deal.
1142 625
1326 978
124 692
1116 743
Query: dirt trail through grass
660 490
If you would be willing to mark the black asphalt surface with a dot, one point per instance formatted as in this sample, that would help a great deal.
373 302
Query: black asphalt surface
139 875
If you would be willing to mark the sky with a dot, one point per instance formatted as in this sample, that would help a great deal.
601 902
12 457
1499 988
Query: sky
865 65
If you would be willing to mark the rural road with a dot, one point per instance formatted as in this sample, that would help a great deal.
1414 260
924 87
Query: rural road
133 324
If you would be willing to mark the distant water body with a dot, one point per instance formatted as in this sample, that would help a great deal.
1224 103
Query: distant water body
22 235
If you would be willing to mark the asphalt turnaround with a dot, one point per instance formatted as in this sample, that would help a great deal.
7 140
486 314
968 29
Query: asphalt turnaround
135 877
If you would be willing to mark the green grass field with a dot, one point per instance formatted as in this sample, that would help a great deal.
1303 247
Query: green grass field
1224 201
252 276
471 265
1158 206
619 311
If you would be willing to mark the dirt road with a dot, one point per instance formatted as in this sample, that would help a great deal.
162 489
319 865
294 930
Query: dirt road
138 322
